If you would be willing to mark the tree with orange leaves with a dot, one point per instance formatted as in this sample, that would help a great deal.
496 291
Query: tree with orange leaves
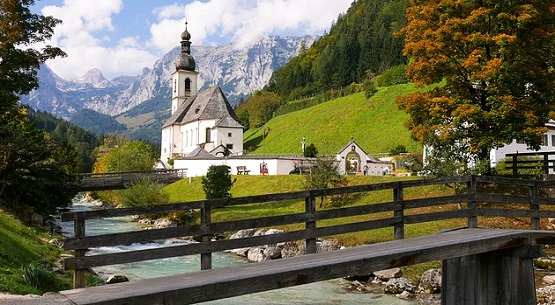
494 61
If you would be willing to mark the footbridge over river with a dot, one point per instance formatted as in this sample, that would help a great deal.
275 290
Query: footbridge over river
120 180
480 265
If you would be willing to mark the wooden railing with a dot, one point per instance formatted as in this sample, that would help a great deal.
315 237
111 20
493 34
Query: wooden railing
396 213
118 180
530 161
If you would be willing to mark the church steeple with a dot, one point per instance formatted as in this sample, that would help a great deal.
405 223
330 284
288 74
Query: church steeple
185 78
185 60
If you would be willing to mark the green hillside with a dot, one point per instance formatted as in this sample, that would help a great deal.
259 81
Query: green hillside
20 248
376 124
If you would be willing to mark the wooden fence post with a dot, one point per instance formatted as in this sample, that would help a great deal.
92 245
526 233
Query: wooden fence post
546 164
79 231
205 220
534 193
472 192
399 229
310 207
515 164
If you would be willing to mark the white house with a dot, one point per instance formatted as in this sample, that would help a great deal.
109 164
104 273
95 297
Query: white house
548 145
354 160
198 119
499 154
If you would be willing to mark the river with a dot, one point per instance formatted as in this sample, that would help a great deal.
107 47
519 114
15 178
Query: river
325 293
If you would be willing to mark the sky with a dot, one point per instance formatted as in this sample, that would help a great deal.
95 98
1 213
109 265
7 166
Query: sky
121 37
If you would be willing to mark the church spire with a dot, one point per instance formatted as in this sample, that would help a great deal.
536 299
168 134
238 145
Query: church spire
185 60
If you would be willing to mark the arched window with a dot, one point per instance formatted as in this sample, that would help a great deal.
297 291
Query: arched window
208 135
187 85
174 86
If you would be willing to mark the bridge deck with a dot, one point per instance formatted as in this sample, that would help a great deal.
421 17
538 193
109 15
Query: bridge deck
221 283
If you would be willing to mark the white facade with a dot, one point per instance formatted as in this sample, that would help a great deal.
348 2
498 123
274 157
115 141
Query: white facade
198 119
255 166
497 155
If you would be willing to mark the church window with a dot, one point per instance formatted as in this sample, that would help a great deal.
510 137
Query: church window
186 138
229 134
174 86
187 85
229 146
208 135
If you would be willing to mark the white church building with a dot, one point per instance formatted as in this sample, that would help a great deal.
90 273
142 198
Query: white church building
203 130
199 120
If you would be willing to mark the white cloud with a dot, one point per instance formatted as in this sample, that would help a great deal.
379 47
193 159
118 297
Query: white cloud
90 39
243 22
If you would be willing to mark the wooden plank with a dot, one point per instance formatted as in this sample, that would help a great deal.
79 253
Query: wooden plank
500 212
249 278
221 245
420 218
127 238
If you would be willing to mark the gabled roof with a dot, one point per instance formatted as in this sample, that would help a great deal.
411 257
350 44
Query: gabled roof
199 153
352 142
210 104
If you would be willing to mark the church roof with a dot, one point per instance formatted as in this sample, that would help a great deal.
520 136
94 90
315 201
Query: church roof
210 104
199 153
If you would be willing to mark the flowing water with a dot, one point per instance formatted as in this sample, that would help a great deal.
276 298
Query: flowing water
327 292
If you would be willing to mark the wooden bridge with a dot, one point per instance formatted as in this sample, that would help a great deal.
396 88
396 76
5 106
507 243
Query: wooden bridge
481 265
119 180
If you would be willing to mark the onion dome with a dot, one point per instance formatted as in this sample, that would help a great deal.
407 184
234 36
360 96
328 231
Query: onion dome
185 60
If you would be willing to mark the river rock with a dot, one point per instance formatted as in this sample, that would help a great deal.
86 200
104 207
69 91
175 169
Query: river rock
398 285
549 279
385 275
242 234
430 282
545 295
117 278
164 223
405 295
37 220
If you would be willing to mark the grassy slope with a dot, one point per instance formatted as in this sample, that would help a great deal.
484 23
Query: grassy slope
376 124
20 246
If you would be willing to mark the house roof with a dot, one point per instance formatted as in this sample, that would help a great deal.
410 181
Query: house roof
347 147
210 104
199 153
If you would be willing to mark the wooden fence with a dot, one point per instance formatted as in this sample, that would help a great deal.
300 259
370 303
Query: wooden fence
474 202
530 161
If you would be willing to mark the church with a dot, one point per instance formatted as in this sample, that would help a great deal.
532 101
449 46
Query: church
201 123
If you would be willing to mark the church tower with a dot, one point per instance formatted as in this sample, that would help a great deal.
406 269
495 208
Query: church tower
185 78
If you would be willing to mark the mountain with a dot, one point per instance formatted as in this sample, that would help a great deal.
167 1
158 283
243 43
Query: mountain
238 71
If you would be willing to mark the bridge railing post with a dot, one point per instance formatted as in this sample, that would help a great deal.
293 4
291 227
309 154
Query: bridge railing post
79 231
399 229
534 207
205 220
310 207
472 205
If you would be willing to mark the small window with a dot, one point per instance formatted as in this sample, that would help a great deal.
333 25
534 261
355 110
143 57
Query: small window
197 110
545 139
229 146
229 134
553 140
187 85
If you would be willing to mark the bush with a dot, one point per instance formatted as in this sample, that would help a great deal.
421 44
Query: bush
394 76
39 277
310 151
145 192
217 183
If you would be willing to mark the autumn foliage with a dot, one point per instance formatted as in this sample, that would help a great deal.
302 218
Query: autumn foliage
494 62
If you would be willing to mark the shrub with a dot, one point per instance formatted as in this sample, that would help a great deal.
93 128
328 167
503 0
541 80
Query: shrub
39 277
217 183
144 192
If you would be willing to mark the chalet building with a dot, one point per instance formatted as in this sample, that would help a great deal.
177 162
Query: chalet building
200 122
514 147
353 160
